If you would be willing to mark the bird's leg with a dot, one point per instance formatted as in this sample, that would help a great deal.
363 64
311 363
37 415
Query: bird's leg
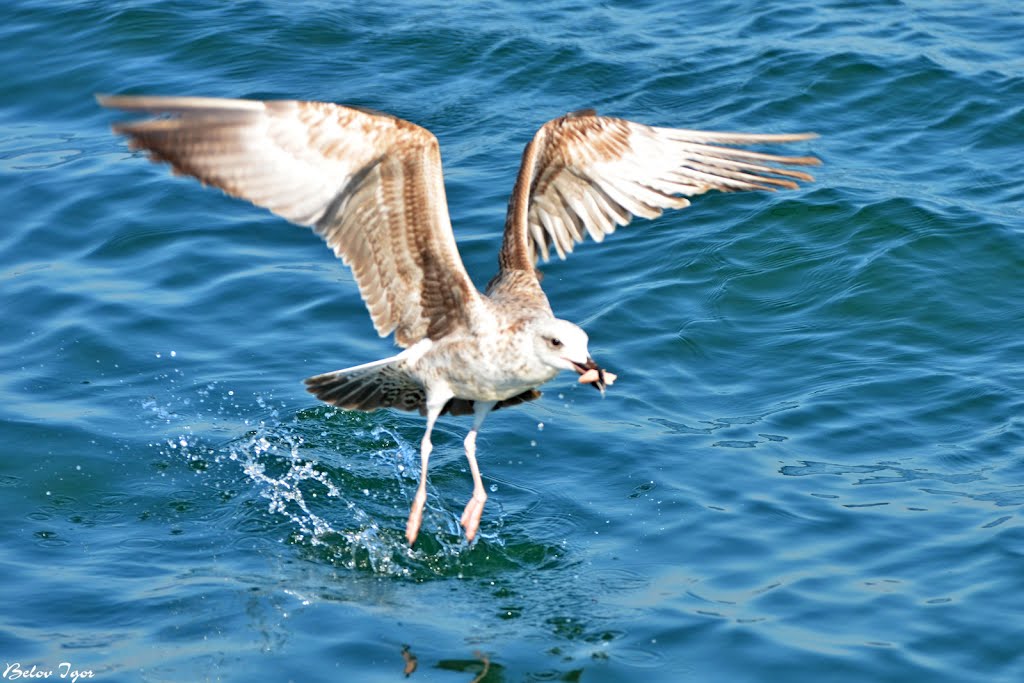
412 527
475 507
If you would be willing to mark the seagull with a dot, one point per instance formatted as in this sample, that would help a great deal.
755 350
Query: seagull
370 184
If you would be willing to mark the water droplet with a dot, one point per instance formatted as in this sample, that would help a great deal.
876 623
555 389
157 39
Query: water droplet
494 488
540 426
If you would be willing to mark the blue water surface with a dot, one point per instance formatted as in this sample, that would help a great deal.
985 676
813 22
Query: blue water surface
810 469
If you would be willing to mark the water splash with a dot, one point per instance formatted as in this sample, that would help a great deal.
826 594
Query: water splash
285 491
349 511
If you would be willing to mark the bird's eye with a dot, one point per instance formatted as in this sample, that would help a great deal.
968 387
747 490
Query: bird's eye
555 343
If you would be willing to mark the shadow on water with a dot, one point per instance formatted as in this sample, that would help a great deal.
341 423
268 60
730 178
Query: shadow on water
482 668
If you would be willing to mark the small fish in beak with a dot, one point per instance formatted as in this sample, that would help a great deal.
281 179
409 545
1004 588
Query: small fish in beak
592 373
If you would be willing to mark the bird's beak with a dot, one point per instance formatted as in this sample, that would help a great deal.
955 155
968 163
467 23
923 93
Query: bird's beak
592 373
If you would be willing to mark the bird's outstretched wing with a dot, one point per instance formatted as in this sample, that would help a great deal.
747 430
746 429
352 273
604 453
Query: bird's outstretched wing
369 184
584 174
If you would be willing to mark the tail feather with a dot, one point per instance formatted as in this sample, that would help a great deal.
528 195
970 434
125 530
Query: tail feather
386 384
369 387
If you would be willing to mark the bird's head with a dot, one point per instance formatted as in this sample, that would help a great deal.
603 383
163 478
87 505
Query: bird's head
563 345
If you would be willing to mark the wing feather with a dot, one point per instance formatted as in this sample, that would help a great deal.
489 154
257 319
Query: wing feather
369 184
584 174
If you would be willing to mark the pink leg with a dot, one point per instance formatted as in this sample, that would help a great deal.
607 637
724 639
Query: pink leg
475 507
412 527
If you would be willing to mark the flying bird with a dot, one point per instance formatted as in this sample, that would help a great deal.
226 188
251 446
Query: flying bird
371 186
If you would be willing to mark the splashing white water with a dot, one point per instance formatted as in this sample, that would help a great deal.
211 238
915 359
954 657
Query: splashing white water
332 508
285 492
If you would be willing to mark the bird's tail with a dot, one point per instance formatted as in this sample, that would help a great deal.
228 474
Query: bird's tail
386 383
380 384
